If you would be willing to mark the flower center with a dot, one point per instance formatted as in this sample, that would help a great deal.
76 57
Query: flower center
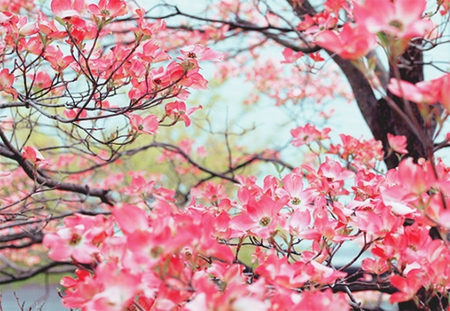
75 239
397 24
192 55
105 12
296 201
265 221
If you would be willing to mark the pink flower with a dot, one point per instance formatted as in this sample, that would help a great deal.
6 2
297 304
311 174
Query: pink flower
147 125
445 92
177 110
259 217
56 58
79 238
293 188
408 286
306 134
119 288
130 218
319 301
401 18
199 52
79 291
290 56
416 178
398 143
152 53
425 92
6 82
354 41
72 113
67 8
108 8
376 266
34 156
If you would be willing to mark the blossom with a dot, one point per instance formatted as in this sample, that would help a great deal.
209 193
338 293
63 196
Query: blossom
147 125
177 110
354 41
408 286
67 8
56 58
33 155
416 178
259 217
290 56
398 143
108 8
304 135
6 82
72 113
200 52
293 187
78 239
445 92
401 18
425 92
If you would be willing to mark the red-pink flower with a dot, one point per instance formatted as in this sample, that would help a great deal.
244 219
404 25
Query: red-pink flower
199 52
425 92
6 82
33 155
67 8
318 301
376 266
401 18
279 272
72 113
293 188
118 288
79 291
398 143
290 56
130 218
416 178
259 217
354 41
177 110
152 53
147 125
307 134
78 239
408 286
56 58
108 8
